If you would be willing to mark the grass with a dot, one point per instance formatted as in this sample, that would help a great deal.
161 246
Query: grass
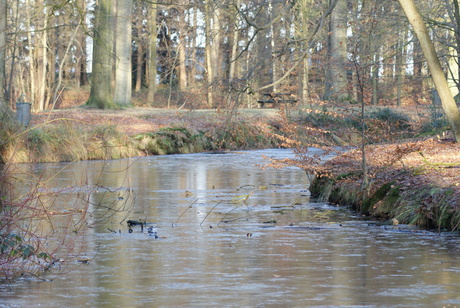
66 141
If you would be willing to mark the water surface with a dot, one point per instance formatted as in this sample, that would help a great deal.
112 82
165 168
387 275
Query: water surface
232 235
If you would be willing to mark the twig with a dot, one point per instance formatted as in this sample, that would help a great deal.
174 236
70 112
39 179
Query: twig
189 207
222 220
210 212
239 218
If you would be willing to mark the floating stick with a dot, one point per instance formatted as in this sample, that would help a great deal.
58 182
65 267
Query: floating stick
210 212
189 207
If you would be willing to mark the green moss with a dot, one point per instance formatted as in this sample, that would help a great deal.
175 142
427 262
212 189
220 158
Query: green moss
379 195
173 141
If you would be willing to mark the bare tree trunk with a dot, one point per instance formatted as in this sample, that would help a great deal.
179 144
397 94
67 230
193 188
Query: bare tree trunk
140 48
305 12
3 10
182 51
336 79
215 14
152 54
263 52
29 14
208 55
41 37
447 100
101 78
233 62
273 38
400 65
192 77
139 68
123 70
375 77
81 75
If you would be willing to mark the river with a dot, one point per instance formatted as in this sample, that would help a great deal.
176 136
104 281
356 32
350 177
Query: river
230 234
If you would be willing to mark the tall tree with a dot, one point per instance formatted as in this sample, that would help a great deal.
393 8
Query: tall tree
193 51
181 47
101 76
447 100
400 62
123 49
336 76
81 75
139 40
40 48
208 53
3 10
234 34
305 9
152 60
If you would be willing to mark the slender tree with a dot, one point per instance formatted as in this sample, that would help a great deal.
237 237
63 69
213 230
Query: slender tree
208 54
181 47
232 74
139 49
152 61
447 100
41 57
3 10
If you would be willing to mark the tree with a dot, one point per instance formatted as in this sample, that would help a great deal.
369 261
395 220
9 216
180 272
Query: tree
447 100
3 10
336 78
139 44
81 76
181 47
152 60
234 34
101 76
41 60
208 53
123 49
305 15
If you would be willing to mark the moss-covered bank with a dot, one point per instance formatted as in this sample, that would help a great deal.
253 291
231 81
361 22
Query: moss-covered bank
414 182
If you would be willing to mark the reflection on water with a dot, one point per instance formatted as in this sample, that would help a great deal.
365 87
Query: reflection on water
276 249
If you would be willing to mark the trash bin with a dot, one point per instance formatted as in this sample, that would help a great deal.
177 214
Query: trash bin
23 113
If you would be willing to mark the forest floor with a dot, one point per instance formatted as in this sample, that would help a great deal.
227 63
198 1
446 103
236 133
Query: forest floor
416 181
138 120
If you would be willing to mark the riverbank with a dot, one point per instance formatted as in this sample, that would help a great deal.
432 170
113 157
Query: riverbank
413 182
85 134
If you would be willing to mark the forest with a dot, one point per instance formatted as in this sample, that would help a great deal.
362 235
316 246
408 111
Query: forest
110 79
222 54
